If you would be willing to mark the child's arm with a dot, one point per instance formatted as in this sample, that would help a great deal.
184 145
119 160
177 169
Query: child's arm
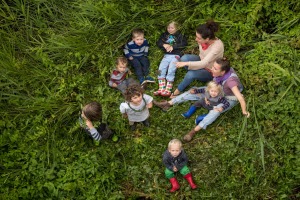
183 160
181 42
148 100
93 131
225 103
166 160
146 44
126 51
149 105
198 90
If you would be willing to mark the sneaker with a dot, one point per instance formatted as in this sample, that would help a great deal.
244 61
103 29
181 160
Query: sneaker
199 119
146 123
133 127
149 79
142 80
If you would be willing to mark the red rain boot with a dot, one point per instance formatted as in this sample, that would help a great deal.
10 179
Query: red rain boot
189 178
175 184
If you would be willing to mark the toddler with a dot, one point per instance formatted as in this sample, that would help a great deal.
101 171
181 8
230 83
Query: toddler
175 159
92 114
118 77
213 99
172 42
136 106
136 51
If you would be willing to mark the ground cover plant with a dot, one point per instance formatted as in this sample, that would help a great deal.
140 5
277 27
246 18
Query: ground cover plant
57 55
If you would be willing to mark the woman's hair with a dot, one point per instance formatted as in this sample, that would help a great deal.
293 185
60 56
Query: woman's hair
133 90
208 30
225 64
174 141
93 111
121 59
213 84
137 32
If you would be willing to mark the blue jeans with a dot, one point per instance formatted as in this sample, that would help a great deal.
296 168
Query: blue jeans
141 66
199 74
167 67
212 115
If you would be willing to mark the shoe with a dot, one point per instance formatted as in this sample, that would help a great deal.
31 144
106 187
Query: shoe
133 127
199 119
164 105
149 79
175 184
189 179
146 122
142 81
190 112
188 137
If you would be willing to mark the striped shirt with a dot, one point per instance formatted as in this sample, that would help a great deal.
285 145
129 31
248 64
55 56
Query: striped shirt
134 50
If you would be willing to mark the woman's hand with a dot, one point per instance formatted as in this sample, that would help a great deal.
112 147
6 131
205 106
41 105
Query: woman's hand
246 114
181 64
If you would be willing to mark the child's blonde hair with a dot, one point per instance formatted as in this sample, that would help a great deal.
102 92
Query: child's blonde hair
213 84
137 32
175 141
176 24
122 60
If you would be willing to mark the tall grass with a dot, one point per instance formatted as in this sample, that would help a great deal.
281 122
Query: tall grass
56 56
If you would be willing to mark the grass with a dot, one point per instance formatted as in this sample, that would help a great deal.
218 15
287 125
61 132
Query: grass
56 56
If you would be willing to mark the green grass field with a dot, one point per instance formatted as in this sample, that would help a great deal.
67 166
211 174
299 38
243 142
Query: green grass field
56 56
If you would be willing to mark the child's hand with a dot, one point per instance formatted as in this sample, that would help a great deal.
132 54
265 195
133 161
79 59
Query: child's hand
129 72
246 114
207 102
89 124
193 91
114 85
124 115
175 169
218 109
130 58
166 46
170 49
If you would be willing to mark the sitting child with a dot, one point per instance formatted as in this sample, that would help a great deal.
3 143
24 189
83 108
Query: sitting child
213 99
136 106
136 51
118 77
92 113
172 42
175 159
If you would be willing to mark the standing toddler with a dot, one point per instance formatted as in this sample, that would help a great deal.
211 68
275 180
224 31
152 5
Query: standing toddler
136 106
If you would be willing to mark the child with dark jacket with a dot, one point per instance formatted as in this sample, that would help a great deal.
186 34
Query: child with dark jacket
172 42
175 159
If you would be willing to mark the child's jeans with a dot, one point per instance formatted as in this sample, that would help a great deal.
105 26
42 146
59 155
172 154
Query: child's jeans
167 67
141 66
170 174
200 74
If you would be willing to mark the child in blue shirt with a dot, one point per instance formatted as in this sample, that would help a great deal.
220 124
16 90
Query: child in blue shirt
136 51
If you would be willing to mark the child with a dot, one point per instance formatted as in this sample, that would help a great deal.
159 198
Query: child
118 77
213 99
136 51
172 42
175 159
136 107
92 113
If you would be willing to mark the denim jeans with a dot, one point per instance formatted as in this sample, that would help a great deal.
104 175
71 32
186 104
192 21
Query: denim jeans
141 66
212 115
167 67
191 75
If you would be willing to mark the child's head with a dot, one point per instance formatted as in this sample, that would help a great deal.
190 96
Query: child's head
172 27
214 89
175 147
121 64
92 111
134 94
138 36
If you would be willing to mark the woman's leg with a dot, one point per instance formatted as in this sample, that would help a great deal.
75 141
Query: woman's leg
200 74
